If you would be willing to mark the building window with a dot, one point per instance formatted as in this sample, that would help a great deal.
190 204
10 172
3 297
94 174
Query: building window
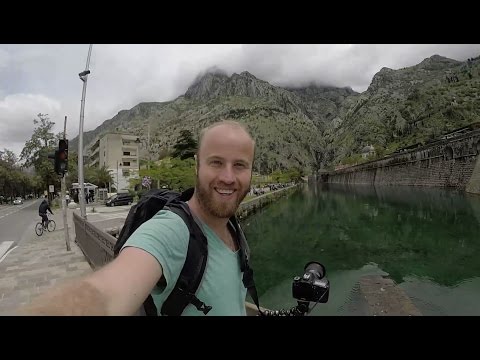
125 172
126 153
126 163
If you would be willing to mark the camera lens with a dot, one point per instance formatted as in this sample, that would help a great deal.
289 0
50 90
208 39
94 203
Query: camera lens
315 267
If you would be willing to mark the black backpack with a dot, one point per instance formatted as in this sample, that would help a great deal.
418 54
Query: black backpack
191 275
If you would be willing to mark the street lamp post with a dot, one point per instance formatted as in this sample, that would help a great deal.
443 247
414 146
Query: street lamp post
64 204
81 196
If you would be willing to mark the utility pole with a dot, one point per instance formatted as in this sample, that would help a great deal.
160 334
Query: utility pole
117 178
81 196
64 206
148 147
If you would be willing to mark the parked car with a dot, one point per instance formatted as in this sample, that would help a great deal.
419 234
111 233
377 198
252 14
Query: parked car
18 201
119 199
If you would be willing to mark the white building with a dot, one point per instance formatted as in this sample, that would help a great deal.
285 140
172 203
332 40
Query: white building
119 154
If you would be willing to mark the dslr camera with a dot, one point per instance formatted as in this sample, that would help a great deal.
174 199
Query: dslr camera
313 286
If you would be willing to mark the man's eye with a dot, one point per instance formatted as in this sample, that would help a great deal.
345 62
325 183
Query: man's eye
216 162
240 165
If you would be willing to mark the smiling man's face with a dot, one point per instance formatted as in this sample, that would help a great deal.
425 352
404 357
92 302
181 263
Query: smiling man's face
224 169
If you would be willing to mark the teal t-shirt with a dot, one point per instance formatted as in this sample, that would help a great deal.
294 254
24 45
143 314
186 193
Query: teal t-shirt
166 237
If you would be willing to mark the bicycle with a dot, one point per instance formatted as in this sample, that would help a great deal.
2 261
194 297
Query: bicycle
39 227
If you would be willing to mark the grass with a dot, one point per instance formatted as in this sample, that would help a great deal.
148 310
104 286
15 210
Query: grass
248 197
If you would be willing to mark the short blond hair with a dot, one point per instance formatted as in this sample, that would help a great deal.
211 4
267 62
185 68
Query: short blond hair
230 123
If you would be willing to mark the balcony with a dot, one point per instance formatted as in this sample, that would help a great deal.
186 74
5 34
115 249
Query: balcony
95 151
129 143
129 164
95 146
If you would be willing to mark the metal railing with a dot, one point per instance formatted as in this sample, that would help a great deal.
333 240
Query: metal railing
96 244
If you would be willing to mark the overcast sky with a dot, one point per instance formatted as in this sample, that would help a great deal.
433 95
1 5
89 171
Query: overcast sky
44 78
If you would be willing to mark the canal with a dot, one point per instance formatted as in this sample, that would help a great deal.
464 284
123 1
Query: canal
427 240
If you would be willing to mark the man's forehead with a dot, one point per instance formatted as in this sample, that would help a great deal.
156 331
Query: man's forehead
226 135
226 129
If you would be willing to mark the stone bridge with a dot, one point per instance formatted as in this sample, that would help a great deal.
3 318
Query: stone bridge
447 162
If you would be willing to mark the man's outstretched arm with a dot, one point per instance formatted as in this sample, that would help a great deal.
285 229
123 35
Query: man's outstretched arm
119 288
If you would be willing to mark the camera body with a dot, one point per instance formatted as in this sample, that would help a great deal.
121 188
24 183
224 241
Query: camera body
313 286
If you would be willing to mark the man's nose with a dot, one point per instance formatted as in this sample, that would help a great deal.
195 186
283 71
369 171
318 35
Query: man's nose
227 175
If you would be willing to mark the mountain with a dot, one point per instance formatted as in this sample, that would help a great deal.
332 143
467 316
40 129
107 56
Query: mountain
406 106
314 126
281 123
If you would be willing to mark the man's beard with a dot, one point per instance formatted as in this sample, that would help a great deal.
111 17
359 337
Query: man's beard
223 210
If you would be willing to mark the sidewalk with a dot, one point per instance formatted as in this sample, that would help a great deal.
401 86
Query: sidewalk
42 262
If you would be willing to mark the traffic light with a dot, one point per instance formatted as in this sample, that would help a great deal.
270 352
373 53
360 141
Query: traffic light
61 157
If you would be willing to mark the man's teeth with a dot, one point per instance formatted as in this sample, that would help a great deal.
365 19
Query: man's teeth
225 192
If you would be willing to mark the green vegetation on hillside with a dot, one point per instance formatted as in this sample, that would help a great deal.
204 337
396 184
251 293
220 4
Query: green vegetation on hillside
316 127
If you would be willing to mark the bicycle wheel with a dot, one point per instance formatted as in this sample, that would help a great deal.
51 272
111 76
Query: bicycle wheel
51 225
39 229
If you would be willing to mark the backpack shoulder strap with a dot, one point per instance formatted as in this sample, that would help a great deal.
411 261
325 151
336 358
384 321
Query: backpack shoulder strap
247 279
148 205
192 272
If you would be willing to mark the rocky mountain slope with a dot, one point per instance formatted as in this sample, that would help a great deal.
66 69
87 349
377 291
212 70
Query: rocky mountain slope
406 106
314 127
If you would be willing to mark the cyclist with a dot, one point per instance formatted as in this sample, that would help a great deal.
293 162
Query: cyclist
42 212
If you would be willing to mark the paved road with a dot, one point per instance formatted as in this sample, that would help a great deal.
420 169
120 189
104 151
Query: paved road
38 263
17 224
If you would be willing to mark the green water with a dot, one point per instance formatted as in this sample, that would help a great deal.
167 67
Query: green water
427 240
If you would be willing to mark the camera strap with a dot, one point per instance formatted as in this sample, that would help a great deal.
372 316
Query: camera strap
247 279
249 283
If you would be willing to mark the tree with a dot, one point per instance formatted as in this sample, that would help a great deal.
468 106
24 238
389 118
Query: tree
58 137
174 173
295 174
13 182
36 150
42 138
100 176
186 146
72 172
8 157
317 161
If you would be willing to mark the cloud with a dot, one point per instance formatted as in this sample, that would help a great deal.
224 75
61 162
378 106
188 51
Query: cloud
4 58
124 75
17 113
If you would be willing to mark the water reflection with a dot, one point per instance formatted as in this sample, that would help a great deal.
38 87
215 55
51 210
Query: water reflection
426 240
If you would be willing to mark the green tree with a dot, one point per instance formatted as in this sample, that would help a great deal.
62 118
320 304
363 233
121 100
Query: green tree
295 174
72 173
36 150
174 173
8 157
100 176
42 138
186 146
58 137
13 182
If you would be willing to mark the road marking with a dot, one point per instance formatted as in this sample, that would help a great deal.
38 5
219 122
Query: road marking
15 208
4 246
8 252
